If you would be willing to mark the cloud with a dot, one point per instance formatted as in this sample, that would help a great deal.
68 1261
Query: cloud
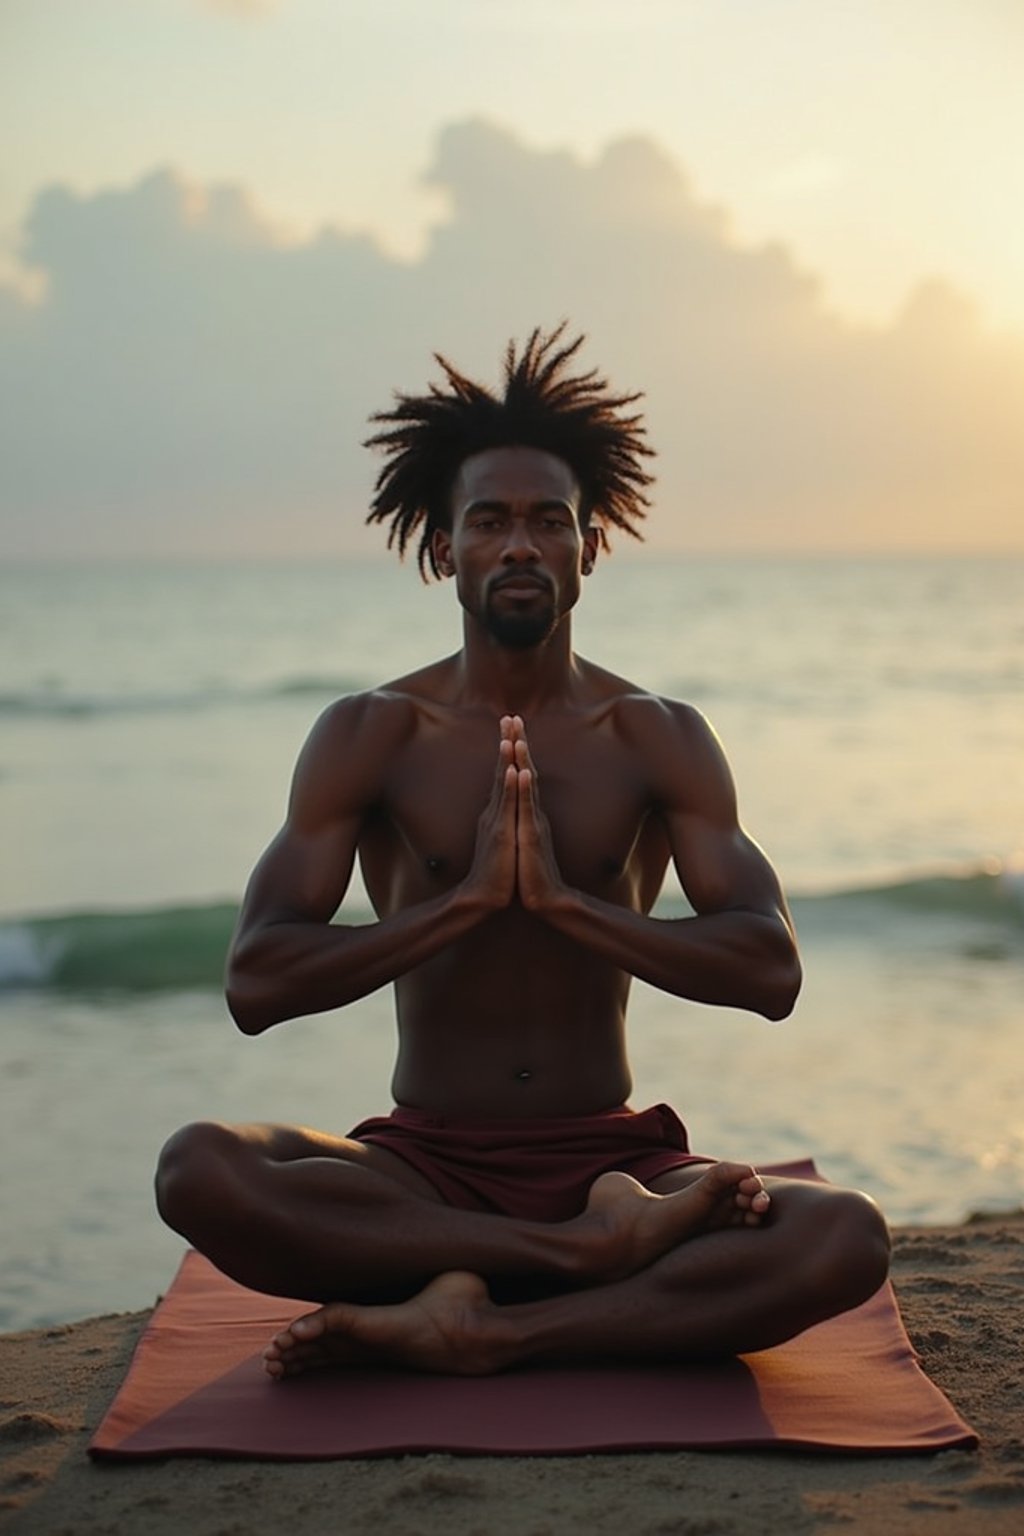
193 382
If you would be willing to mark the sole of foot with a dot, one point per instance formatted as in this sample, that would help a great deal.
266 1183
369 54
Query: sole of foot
639 1226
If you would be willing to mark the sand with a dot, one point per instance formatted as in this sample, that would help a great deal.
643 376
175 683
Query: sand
961 1291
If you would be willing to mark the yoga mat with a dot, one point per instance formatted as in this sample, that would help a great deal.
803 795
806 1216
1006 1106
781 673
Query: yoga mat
196 1387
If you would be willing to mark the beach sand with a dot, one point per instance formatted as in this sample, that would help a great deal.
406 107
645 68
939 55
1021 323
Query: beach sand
961 1291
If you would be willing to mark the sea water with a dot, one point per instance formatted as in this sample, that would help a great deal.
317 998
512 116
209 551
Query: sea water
873 711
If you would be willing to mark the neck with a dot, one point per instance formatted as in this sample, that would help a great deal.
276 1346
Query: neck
517 682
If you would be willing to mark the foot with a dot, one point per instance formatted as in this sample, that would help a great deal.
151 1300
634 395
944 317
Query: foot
636 1226
451 1328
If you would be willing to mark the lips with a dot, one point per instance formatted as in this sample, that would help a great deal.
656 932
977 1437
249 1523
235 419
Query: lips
521 586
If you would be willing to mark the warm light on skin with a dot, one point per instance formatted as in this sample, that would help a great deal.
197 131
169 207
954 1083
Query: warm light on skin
515 511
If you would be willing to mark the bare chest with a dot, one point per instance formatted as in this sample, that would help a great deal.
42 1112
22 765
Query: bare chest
594 796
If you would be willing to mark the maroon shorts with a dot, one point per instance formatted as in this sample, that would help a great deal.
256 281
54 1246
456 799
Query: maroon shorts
540 1170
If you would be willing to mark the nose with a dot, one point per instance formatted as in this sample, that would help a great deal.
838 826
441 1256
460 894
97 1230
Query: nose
520 546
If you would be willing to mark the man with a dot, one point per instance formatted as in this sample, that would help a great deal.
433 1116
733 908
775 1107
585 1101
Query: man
514 809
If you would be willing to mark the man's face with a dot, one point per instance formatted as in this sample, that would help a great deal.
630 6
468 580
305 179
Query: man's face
516 548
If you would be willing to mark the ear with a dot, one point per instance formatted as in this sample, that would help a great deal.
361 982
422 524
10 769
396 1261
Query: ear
591 542
441 549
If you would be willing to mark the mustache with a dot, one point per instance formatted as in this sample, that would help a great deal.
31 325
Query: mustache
522 579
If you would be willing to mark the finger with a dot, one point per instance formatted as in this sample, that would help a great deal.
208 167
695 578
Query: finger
523 756
505 760
506 745
509 797
510 811
503 789
527 801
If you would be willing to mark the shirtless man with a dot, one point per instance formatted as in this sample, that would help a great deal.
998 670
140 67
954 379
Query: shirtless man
514 809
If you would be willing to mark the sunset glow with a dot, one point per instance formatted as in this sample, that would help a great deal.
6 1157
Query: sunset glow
231 228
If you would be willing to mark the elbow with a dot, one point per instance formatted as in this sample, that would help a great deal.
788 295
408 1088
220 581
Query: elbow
247 1000
780 997
249 1019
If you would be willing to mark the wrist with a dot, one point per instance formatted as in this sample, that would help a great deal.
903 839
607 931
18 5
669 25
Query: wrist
475 900
552 904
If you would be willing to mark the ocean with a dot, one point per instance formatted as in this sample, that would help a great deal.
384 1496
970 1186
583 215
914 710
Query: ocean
873 711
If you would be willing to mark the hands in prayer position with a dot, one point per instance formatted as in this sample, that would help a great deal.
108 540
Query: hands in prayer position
514 852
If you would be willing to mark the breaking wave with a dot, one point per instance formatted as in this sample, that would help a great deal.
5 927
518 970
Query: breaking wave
182 947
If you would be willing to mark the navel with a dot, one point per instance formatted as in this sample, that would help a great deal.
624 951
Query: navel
524 1076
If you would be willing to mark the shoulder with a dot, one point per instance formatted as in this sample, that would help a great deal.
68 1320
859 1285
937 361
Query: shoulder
379 716
652 720
636 710
374 724
342 764
681 753
387 713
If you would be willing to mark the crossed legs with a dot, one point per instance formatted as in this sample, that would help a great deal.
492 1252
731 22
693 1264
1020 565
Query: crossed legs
699 1265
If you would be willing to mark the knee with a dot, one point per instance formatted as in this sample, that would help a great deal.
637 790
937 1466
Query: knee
189 1169
853 1248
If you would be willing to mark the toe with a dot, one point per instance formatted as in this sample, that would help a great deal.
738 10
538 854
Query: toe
308 1327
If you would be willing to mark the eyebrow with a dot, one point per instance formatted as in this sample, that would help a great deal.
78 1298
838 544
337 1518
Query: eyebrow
547 504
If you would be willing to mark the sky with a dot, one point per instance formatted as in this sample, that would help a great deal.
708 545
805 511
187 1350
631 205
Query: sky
230 228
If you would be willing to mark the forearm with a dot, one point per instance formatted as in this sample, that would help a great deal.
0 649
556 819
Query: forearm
737 959
283 970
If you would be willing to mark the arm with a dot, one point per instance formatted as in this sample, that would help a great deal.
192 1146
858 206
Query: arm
739 950
287 958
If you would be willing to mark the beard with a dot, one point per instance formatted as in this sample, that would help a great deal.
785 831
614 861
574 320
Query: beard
520 631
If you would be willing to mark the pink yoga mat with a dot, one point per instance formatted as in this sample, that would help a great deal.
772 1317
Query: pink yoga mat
196 1387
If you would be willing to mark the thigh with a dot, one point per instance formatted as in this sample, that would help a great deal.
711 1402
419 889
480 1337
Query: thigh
795 1201
790 1197
290 1143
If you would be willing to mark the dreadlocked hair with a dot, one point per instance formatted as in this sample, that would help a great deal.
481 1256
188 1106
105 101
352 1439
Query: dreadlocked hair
427 437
